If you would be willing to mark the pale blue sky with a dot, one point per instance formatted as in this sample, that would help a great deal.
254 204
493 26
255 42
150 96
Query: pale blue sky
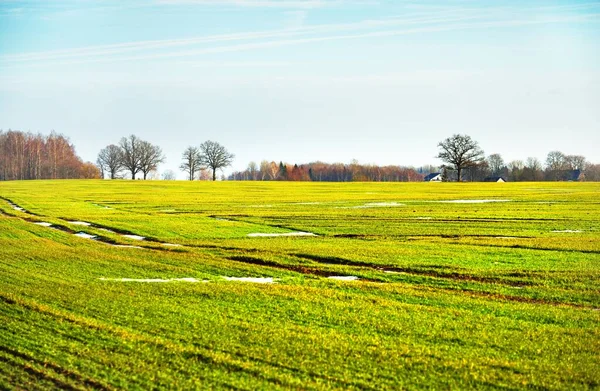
302 80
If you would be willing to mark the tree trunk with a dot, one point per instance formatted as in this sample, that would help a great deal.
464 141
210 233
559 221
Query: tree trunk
145 173
459 169
132 176
214 174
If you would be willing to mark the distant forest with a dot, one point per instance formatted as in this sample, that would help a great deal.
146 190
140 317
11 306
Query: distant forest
35 156
564 169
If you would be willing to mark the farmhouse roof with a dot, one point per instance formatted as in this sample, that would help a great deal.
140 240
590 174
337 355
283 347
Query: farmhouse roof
494 179
431 176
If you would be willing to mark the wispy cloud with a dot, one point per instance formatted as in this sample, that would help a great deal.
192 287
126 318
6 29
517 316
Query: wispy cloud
129 47
304 4
456 19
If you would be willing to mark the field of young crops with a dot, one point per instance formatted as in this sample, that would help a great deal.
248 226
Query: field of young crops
158 284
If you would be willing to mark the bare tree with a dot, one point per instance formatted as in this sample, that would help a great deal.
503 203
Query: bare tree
191 162
264 170
556 160
132 154
461 151
151 157
533 163
214 156
110 159
576 162
495 163
253 171
169 175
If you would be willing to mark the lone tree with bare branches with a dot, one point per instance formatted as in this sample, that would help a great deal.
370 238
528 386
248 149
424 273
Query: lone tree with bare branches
110 160
461 151
191 162
132 154
214 156
151 157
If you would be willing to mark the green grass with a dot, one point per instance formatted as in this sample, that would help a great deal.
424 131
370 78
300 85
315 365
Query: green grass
449 296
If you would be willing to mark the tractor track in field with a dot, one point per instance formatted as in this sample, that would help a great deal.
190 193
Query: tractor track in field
49 365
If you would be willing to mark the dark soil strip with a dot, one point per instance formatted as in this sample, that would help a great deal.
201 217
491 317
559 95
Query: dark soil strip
11 203
521 299
263 262
293 268
414 271
65 372
336 261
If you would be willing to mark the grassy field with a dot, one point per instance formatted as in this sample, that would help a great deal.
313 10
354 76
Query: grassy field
442 287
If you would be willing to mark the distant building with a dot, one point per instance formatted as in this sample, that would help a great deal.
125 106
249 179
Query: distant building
494 179
574 176
433 177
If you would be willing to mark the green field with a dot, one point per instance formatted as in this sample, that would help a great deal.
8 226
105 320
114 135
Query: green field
448 295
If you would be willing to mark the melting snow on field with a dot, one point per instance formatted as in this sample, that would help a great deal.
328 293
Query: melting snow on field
343 278
258 280
134 237
574 231
185 279
43 224
79 223
271 235
171 245
85 235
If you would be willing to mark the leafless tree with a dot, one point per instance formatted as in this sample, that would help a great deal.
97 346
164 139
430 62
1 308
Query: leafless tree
556 160
576 162
461 151
253 171
214 156
264 170
110 159
169 175
131 147
533 163
191 162
495 163
151 157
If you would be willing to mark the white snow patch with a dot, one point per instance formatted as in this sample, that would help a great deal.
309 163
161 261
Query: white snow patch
575 231
85 235
79 223
125 246
267 235
258 280
171 245
424 218
43 224
134 237
343 278
184 279
471 201
106 230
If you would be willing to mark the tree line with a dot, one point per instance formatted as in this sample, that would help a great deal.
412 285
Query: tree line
326 172
35 156
134 155
466 161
